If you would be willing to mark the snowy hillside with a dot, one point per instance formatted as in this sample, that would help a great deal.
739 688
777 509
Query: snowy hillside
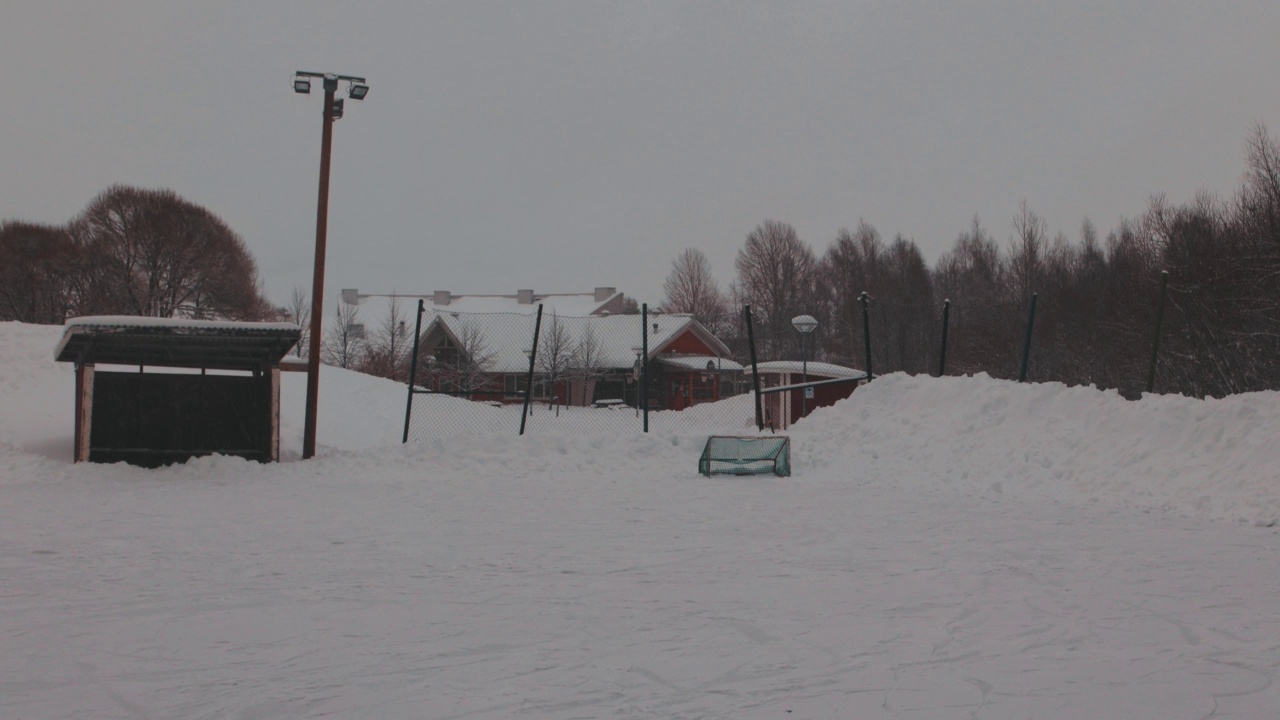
957 547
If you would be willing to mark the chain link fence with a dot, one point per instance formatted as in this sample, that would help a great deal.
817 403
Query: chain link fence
547 373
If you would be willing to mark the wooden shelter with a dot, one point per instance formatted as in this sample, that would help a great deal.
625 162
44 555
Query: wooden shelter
217 391
785 382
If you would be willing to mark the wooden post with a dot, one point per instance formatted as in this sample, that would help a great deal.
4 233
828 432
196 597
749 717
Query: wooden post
84 411
273 422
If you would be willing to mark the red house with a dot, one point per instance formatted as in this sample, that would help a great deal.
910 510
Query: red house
580 360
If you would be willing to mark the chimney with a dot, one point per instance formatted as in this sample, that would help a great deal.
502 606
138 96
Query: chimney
524 297
604 293
441 297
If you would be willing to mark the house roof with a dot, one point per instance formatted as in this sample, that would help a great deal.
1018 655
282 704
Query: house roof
506 338
175 342
525 302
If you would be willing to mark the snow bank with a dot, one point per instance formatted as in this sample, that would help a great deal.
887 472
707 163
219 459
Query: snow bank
1045 442
1205 458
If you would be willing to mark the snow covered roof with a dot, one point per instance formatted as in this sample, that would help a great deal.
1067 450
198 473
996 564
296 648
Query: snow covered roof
699 362
175 342
617 337
598 302
819 369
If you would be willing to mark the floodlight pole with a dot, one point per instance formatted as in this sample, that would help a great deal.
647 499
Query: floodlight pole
317 277
804 374
330 112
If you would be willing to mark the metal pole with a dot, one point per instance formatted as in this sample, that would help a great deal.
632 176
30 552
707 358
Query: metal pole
866 332
413 371
533 354
946 321
1155 344
1026 344
644 363
755 373
317 278
804 374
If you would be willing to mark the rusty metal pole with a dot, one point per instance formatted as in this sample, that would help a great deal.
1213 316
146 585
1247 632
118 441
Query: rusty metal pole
317 279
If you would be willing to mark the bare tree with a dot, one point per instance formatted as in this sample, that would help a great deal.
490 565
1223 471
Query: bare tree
905 309
690 288
588 362
466 366
386 349
149 252
555 353
344 342
1026 257
851 265
776 274
299 313
34 285
972 275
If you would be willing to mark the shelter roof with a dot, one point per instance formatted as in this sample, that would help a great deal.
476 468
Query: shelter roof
818 369
699 362
175 342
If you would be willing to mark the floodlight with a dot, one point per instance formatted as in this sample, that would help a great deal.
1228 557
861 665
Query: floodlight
337 108
804 323
358 91
302 85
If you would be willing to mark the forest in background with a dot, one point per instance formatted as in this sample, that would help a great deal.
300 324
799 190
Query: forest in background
1096 297
149 252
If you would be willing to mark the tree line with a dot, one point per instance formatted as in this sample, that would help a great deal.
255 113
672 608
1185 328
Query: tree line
131 251
1096 297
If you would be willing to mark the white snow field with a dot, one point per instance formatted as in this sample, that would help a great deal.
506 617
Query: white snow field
957 548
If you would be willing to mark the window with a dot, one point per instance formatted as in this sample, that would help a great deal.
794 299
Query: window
515 384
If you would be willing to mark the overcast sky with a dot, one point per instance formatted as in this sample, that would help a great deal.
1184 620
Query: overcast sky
561 146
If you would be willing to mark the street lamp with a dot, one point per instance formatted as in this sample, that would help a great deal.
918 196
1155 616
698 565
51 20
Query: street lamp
637 376
805 325
332 110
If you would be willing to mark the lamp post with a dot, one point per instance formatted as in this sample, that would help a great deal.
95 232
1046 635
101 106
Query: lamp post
332 110
636 376
805 325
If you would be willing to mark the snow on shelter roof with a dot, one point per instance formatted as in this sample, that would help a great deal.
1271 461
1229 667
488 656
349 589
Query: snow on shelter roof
175 342
820 369
699 362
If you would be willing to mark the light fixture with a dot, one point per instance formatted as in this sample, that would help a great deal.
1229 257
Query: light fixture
301 85
804 323
337 108
358 91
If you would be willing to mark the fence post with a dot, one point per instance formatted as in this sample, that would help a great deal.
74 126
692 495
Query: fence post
644 362
755 373
1026 343
533 355
866 331
413 372
946 321
1155 344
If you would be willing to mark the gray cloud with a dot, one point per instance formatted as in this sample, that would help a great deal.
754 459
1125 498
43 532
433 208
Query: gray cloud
566 145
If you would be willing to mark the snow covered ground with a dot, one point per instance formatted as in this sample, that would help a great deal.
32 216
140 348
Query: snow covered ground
953 548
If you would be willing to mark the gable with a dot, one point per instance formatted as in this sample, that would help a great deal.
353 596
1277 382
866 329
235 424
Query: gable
687 343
